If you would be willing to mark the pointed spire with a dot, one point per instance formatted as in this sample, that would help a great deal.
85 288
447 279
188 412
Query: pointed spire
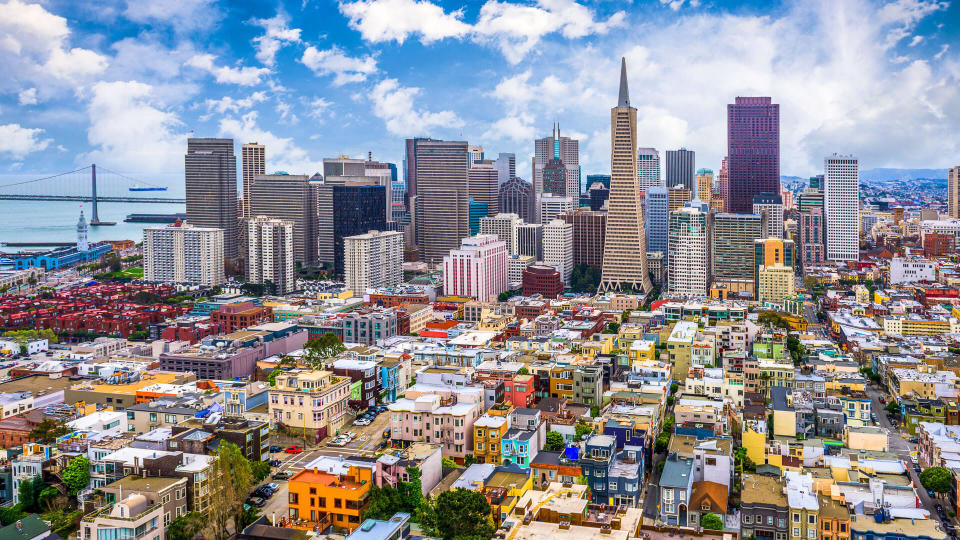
624 100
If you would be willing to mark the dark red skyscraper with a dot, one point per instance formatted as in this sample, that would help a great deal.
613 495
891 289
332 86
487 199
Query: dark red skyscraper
753 151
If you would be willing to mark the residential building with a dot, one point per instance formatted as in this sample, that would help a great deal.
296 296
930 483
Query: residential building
704 190
323 499
558 247
648 168
676 486
770 252
442 193
764 511
516 264
311 402
434 418
373 260
753 151
689 250
488 434
364 372
812 252
841 207
134 516
625 251
912 270
270 254
369 326
289 197
770 206
775 284
478 269
210 169
184 253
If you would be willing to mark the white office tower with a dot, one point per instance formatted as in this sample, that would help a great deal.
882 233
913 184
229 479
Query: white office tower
552 206
270 253
841 207
558 247
516 264
689 259
182 253
530 240
771 206
648 168
478 269
505 227
567 150
474 154
373 260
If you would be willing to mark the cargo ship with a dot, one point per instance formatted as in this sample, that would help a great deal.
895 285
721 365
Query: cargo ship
139 188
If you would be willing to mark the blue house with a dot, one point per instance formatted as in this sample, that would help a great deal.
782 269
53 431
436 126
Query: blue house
676 484
595 463
519 446
625 433
390 379
625 477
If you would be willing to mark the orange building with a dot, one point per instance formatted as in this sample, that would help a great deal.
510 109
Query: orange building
242 315
318 498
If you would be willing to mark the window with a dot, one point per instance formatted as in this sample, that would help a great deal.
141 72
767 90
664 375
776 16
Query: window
748 519
796 531
294 499
796 517
826 525
811 533
769 520
811 519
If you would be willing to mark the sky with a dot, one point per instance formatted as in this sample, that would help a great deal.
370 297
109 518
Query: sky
124 83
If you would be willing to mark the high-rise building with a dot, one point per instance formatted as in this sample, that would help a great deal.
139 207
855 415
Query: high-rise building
811 197
589 230
504 226
775 284
680 168
768 252
506 165
544 280
343 169
516 197
953 192
625 251
552 206
599 194
516 264
733 237
704 185
689 258
656 219
442 207
566 150
723 183
410 167
558 247
678 197
648 168
812 252
530 240
476 211
291 198
753 151
478 269
555 178
483 184
182 253
270 253
841 207
372 260
210 168
602 178
253 161
343 210
475 153
771 206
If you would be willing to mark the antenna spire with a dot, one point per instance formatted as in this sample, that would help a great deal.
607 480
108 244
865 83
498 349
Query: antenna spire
624 100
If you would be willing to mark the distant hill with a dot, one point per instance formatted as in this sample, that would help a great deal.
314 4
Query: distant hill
882 175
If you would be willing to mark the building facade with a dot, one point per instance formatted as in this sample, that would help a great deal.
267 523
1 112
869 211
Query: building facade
770 205
504 226
558 247
589 231
689 259
253 161
442 195
210 169
841 207
270 253
648 168
478 269
288 197
373 260
516 197
733 247
812 252
753 151
681 165
183 253
348 209
656 219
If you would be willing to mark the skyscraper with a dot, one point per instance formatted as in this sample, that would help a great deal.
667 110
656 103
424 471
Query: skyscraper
348 209
770 252
841 207
210 168
182 253
555 178
770 205
478 269
753 151
589 230
506 165
552 206
516 197
558 247
704 185
648 168
442 206
656 219
270 253
530 240
288 197
373 259
689 252
475 153
681 165
563 148
505 227
253 161
953 192
625 250
811 237
483 185
733 237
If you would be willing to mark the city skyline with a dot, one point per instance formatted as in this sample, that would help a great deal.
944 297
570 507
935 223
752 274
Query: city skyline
129 95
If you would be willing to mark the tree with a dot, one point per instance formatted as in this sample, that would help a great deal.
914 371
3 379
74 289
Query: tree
320 349
77 474
612 328
581 429
259 470
524 371
554 441
10 514
47 497
670 401
594 411
448 463
893 408
661 443
186 526
411 490
384 503
674 387
711 521
585 278
231 481
29 493
937 479
459 513
469 460
47 431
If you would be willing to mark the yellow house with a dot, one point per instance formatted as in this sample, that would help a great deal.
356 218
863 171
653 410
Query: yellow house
642 350
488 432
504 489
754 439
630 333
679 346
598 344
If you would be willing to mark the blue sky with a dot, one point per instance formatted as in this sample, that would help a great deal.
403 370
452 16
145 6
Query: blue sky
123 82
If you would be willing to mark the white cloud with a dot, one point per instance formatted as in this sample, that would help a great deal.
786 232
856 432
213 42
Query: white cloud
284 153
277 33
130 130
515 128
319 108
179 15
394 104
333 61
243 76
75 63
228 104
396 20
17 141
28 96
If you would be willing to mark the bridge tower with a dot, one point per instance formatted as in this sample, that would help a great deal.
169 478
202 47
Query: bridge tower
95 217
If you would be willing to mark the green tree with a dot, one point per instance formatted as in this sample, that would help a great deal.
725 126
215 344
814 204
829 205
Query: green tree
554 442
594 411
47 431
612 328
674 387
230 481
77 474
670 401
29 493
662 442
186 527
10 514
448 463
411 490
524 371
46 497
259 470
893 408
317 351
469 460
459 513
581 429
937 479
711 521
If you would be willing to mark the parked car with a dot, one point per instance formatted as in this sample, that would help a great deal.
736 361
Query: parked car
293 450
263 492
274 463
259 502
282 475
275 448
273 486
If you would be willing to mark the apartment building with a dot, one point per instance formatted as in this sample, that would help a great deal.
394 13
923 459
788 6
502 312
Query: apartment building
373 260
182 253
446 419
311 401
323 499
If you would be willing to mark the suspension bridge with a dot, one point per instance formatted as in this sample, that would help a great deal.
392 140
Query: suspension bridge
82 185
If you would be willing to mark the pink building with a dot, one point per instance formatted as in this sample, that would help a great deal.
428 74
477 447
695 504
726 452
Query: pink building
431 418
519 390
478 269
812 252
